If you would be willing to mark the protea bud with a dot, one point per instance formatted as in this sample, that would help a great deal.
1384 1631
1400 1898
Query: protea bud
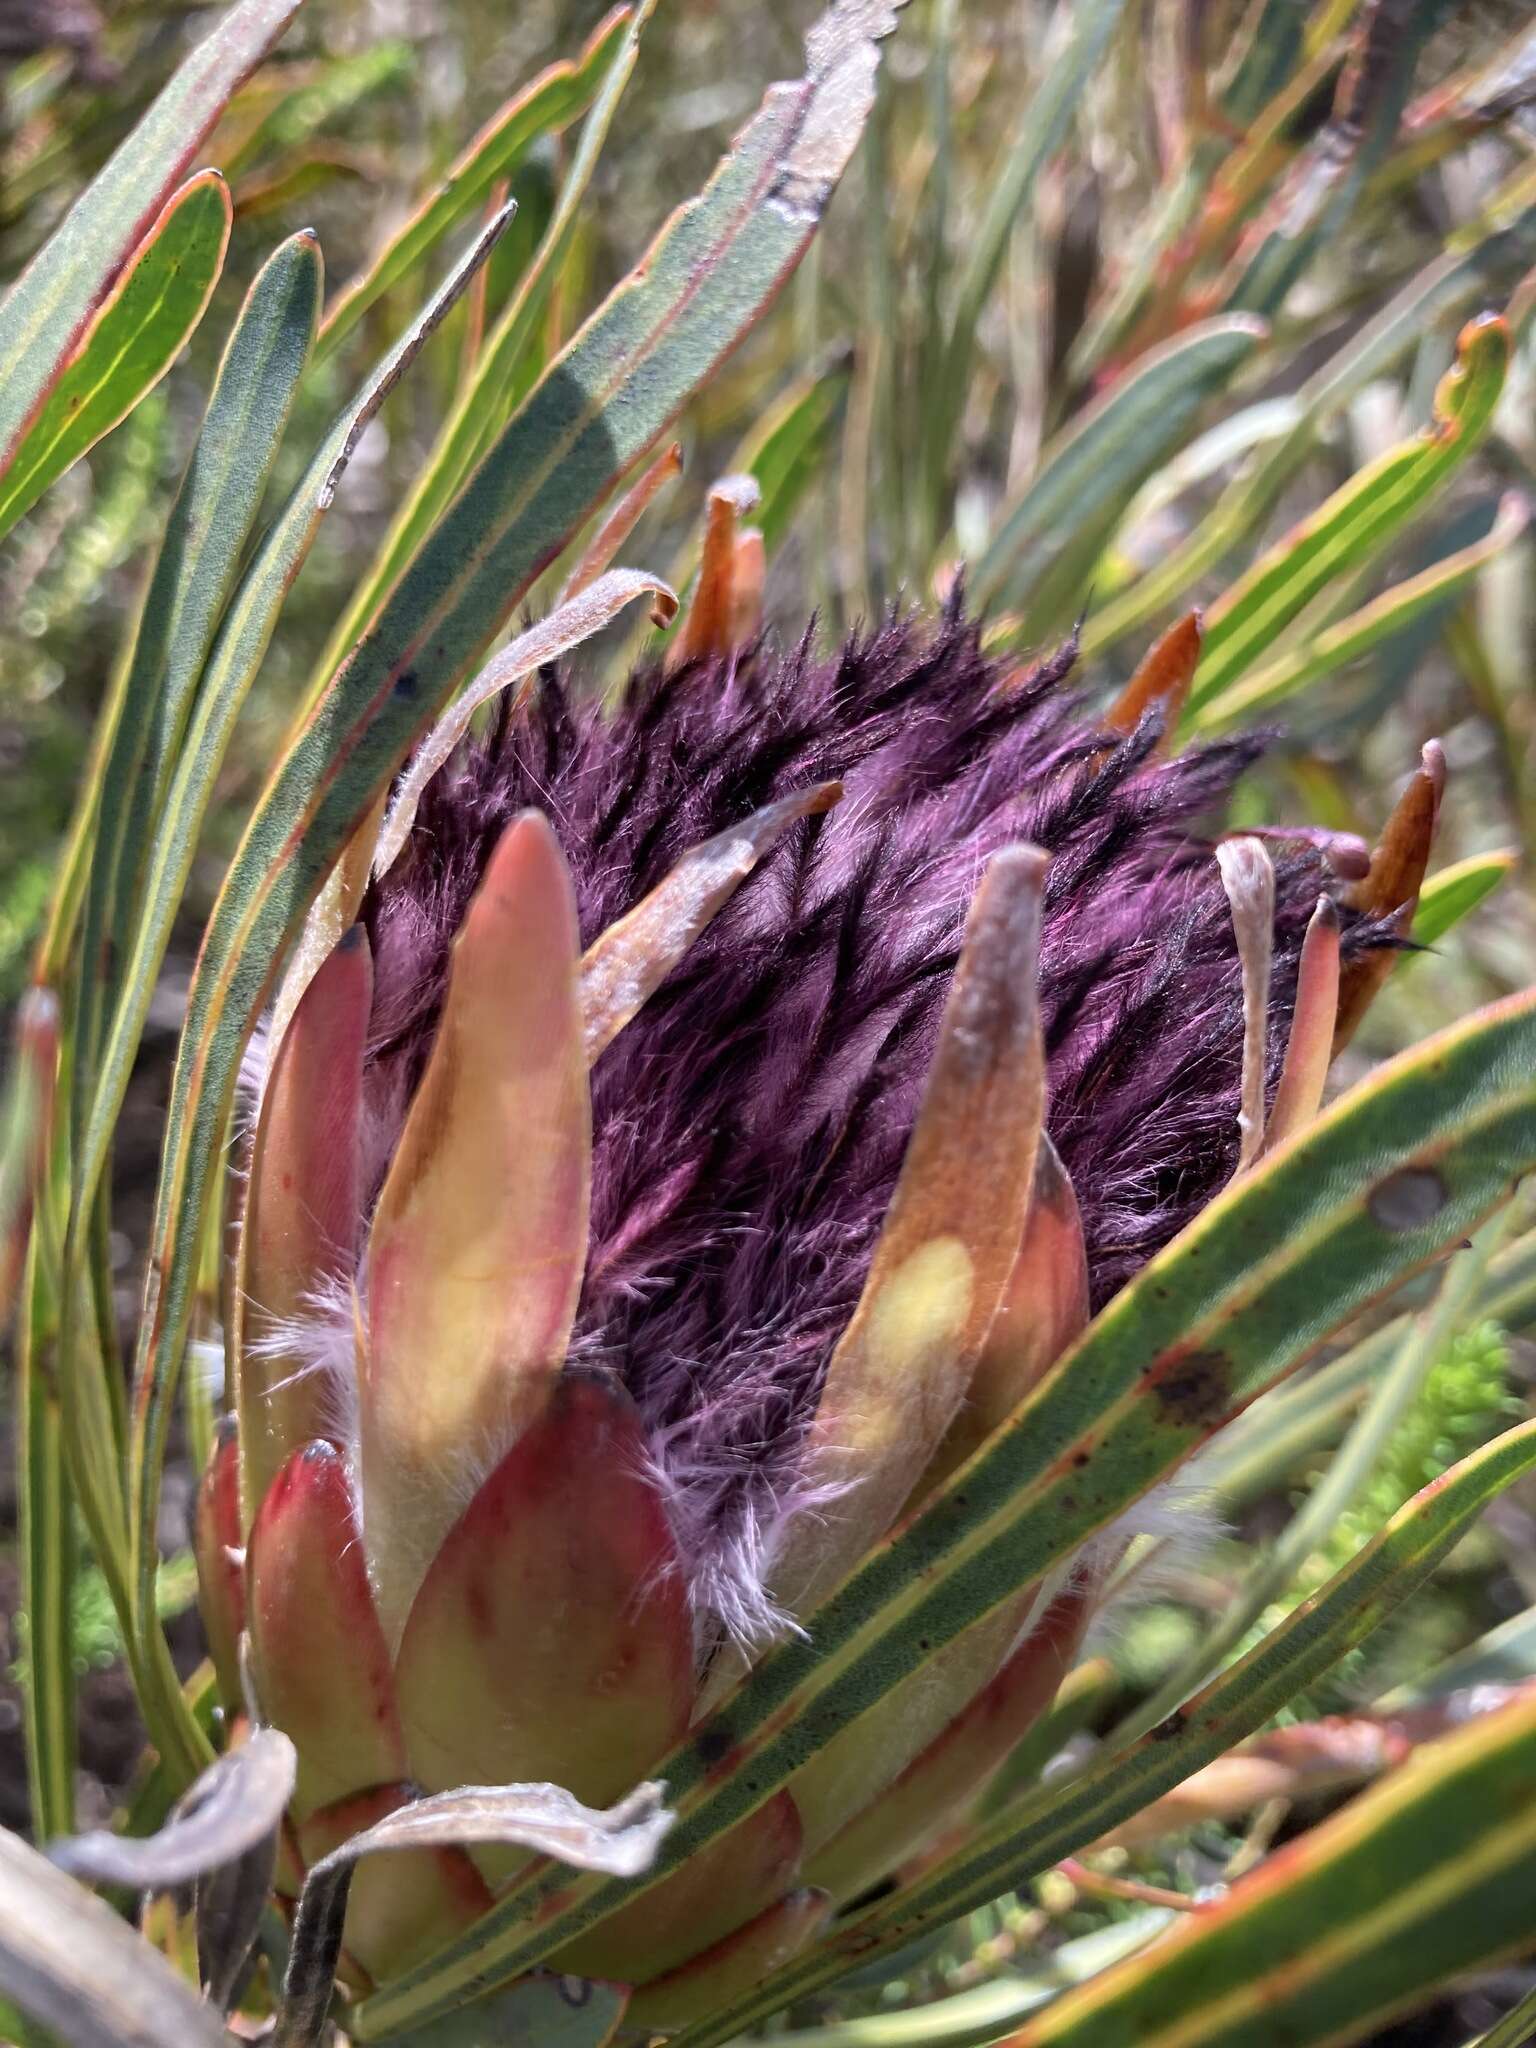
724 1111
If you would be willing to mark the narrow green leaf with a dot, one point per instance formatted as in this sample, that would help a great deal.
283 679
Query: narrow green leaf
977 2017
480 409
46 1538
1040 134
1358 521
1404 1164
1063 1817
1456 891
238 650
1323 186
787 447
1424 1877
1348 639
1089 472
597 409
48 309
342 84
1517 2029
196 570
132 342
552 101
541 2012
26 1117
1269 1440
1316 1520
1506 1655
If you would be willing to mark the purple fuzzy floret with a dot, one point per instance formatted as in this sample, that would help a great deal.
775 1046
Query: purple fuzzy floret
749 1124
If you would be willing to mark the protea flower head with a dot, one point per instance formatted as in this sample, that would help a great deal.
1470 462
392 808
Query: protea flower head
724 1110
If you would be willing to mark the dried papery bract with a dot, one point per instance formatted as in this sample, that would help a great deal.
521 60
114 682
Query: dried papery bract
718 606
584 612
1248 876
628 962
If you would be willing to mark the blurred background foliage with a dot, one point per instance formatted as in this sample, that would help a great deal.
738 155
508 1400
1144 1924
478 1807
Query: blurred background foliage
1117 292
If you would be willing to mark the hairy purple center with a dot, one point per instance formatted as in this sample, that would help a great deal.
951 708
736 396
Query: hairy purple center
750 1123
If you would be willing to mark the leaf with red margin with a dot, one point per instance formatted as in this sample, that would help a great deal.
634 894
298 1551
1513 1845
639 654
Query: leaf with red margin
47 310
131 343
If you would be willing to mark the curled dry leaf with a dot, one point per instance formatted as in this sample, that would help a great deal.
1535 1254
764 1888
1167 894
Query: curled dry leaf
620 1841
233 1807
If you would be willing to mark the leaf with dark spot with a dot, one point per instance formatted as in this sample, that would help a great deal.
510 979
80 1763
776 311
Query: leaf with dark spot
1409 1199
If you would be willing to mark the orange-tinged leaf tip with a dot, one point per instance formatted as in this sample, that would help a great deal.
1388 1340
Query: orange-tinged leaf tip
1391 887
1162 679
1309 1052
707 629
749 573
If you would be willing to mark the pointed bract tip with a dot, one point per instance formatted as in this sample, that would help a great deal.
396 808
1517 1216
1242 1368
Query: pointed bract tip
1434 766
1163 678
